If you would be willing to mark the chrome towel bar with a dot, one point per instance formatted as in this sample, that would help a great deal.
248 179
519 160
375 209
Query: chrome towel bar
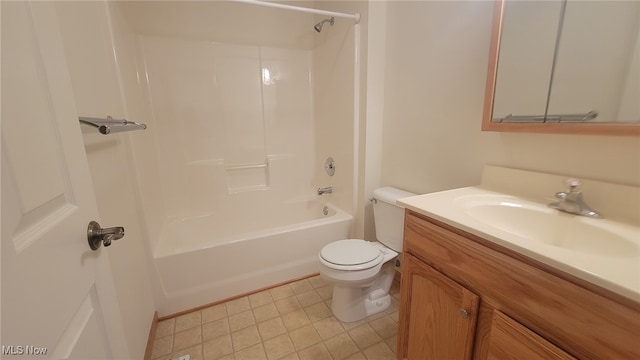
111 125
548 118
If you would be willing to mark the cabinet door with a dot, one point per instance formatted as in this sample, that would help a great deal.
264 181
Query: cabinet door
510 340
438 315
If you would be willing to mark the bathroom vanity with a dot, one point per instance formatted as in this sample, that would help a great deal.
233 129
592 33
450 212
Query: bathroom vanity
467 294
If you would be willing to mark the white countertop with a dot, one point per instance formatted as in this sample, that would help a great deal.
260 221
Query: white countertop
618 272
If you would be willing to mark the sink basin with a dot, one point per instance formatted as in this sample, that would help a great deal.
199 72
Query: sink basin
537 223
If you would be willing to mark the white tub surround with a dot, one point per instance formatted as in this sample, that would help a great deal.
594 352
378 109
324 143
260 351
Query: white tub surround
607 254
244 105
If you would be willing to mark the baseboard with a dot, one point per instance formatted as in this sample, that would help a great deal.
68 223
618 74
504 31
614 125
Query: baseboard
235 297
152 336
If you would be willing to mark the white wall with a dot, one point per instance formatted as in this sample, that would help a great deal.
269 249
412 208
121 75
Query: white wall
371 177
436 63
437 55
91 46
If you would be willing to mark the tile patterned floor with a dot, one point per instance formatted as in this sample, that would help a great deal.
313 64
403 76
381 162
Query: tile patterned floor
292 321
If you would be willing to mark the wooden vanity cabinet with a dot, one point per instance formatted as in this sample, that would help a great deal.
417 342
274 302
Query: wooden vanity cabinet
463 297
443 314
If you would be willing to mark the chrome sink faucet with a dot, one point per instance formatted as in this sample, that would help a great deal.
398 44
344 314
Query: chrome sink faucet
572 202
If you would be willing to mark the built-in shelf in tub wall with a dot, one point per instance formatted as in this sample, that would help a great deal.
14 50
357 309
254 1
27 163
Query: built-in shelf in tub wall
247 177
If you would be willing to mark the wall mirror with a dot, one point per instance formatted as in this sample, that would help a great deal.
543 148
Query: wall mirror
565 66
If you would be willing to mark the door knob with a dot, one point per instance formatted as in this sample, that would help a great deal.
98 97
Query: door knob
97 235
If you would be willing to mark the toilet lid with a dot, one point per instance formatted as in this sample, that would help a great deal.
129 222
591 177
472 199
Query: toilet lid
349 252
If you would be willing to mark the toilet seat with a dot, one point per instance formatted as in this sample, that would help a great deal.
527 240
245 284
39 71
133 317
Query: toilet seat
350 254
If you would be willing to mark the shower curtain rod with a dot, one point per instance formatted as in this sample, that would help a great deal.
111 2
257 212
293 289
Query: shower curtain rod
355 17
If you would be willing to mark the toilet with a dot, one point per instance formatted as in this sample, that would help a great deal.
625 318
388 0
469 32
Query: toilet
362 271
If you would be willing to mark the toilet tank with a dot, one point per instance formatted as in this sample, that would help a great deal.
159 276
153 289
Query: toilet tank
389 217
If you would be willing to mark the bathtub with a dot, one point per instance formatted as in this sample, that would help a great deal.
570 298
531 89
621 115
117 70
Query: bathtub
212 257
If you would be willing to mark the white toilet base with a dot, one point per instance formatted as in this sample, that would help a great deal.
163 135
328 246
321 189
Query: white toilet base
377 305
351 303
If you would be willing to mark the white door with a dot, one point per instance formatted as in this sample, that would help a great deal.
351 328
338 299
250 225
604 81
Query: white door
58 298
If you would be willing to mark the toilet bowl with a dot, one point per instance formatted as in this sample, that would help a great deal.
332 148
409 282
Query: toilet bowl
361 271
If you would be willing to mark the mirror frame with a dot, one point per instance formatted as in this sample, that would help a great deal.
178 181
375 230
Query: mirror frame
548 128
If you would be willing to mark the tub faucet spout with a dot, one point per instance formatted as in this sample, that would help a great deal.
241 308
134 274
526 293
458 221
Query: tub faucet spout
325 190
